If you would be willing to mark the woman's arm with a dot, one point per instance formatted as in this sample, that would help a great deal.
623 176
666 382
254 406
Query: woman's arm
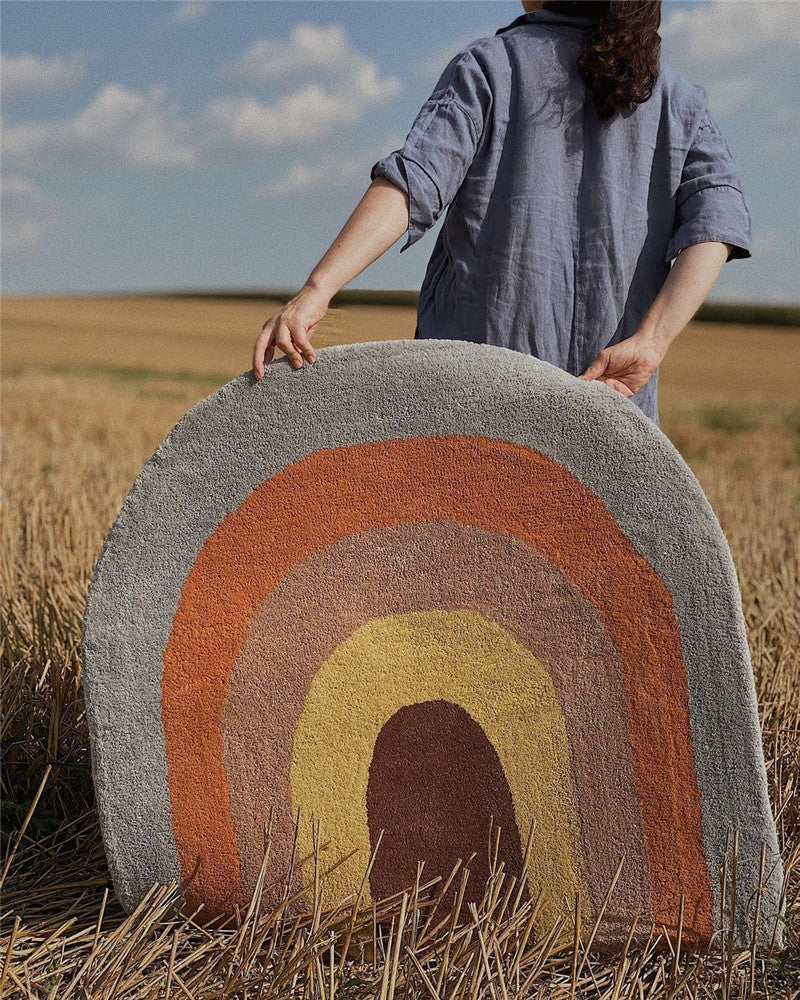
628 365
378 221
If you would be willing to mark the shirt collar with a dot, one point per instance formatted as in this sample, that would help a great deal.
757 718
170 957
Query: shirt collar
578 22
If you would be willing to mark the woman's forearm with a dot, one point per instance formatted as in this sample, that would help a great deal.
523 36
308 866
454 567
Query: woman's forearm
687 285
379 219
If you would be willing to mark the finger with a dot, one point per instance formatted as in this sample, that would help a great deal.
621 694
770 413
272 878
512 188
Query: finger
597 367
269 354
619 386
258 357
286 344
263 349
302 342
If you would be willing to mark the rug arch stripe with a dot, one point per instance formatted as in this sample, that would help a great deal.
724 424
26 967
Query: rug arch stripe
435 565
453 656
433 768
411 468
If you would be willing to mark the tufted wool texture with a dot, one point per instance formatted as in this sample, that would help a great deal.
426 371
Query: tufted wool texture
420 587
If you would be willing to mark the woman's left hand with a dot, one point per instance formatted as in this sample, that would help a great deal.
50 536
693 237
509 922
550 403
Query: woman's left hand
626 366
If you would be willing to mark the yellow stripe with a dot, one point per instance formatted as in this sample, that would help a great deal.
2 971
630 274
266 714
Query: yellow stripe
458 656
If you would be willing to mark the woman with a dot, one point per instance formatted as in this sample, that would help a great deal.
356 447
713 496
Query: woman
575 168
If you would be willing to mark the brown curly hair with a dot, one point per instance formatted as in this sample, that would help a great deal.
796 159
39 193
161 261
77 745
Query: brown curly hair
620 57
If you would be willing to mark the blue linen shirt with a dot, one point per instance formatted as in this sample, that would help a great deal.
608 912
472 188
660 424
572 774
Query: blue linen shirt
560 228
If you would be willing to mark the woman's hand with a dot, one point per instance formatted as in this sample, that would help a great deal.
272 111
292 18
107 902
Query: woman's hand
291 329
377 221
626 366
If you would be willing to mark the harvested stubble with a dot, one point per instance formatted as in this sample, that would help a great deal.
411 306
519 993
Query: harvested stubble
409 945
72 446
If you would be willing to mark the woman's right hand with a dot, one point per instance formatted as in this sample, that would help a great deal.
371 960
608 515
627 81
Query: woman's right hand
291 329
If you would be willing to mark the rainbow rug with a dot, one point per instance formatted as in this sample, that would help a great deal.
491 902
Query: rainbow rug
410 591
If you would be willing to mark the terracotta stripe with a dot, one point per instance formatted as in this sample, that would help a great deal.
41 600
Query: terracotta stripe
425 566
483 481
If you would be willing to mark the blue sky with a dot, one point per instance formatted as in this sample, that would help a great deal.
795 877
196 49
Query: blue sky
160 145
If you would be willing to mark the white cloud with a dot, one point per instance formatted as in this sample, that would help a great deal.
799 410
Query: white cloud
145 128
190 10
329 172
723 29
28 215
432 65
182 13
28 73
782 137
770 240
134 127
300 177
294 119
310 48
351 82
730 93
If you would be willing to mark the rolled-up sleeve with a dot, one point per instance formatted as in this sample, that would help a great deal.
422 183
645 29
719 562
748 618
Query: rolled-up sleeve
710 205
441 144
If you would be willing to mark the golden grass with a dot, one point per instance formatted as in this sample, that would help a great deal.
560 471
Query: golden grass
90 388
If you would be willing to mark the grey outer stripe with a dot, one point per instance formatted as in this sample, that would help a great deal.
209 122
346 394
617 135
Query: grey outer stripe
230 442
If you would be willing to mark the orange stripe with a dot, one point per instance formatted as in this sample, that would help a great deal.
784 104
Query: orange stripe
485 482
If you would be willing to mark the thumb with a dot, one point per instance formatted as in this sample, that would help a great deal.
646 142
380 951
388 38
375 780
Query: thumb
597 367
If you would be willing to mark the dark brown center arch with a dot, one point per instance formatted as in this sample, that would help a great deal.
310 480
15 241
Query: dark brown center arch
433 768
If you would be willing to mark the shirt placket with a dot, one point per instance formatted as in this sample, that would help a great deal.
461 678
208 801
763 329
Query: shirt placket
577 339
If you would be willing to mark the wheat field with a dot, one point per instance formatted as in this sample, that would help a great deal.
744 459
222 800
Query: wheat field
90 386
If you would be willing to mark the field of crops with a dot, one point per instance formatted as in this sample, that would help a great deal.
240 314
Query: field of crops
90 387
